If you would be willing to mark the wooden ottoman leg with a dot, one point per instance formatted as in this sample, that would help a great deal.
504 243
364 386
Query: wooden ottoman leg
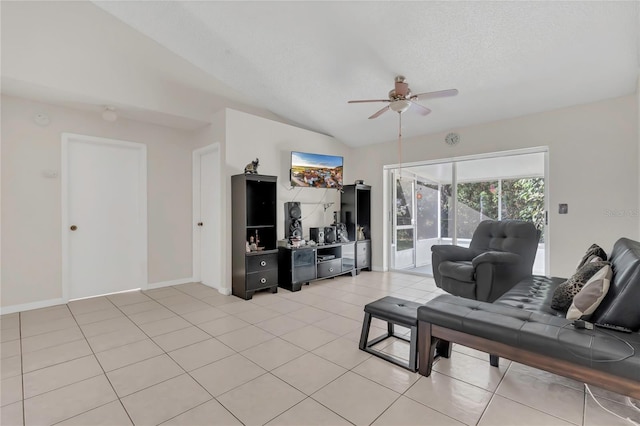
426 351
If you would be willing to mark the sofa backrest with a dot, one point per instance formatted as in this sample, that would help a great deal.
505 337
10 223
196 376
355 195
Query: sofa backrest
514 236
621 305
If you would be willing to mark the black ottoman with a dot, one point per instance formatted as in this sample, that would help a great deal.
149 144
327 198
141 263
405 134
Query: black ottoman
393 311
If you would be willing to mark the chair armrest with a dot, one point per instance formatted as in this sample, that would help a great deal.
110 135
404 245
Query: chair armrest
496 257
454 253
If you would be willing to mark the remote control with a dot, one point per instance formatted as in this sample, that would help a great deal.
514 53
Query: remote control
614 327
582 324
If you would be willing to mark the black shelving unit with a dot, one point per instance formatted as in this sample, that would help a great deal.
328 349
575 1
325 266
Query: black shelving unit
355 213
253 203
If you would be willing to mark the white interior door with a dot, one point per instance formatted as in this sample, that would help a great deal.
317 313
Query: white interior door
104 228
207 195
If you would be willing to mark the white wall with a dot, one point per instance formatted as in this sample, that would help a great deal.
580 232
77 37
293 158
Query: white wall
31 203
248 137
593 160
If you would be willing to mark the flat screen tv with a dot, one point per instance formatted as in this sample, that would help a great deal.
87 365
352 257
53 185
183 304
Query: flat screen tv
316 170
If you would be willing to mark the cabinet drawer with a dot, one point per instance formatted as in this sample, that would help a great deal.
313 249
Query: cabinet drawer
263 262
362 254
262 279
330 267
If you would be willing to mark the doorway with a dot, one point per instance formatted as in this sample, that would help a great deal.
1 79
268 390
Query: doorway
207 202
104 216
442 202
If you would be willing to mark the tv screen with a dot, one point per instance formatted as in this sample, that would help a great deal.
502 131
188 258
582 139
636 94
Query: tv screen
316 170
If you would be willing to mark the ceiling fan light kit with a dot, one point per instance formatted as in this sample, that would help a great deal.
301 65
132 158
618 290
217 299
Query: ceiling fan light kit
401 99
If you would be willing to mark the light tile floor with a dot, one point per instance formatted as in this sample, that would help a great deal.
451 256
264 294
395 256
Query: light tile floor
187 355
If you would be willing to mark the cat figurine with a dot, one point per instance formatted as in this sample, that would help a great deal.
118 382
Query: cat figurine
252 167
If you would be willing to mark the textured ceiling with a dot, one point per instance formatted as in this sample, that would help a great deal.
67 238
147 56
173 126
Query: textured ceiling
304 60
177 63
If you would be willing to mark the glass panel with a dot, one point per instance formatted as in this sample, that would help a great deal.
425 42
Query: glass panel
477 201
404 239
427 210
524 199
404 202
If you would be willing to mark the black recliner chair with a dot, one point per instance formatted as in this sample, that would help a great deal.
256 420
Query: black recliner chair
501 254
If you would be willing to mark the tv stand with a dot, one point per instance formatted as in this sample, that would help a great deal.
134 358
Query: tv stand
301 265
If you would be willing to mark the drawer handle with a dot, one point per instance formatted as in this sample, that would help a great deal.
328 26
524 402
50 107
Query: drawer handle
330 269
263 263
263 280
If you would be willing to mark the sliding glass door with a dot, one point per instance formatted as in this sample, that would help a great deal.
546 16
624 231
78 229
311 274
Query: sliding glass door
443 203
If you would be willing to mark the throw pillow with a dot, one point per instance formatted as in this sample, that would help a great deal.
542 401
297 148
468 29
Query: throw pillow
594 253
589 297
564 293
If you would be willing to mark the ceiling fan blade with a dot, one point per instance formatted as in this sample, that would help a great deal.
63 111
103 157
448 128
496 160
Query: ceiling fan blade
420 109
438 94
379 113
368 100
402 88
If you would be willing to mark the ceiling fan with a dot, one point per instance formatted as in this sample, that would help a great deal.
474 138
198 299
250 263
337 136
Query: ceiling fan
401 98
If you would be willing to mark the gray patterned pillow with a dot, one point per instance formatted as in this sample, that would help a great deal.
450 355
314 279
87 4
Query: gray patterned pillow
565 292
595 252
589 298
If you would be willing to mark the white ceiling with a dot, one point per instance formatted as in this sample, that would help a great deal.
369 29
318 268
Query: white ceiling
303 61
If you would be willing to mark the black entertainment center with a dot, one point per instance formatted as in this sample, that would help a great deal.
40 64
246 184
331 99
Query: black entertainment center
257 264
301 265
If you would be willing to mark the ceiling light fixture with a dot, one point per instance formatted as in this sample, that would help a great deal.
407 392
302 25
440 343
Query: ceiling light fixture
400 106
109 113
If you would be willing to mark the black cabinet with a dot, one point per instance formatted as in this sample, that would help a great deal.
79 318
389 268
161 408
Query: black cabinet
355 213
253 204
298 266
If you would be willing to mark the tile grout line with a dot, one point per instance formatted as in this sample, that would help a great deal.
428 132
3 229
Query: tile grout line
102 368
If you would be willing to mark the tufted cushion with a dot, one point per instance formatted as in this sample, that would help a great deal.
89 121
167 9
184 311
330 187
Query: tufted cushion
512 236
533 294
536 332
620 305
461 270
564 294
591 295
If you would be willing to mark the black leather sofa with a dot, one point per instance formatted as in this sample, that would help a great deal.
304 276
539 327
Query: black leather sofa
522 326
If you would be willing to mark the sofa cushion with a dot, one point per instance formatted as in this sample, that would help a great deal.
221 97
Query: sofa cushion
460 270
566 291
537 332
594 253
591 295
620 305
533 294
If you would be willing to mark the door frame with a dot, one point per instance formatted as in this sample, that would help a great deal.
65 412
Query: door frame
388 207
66 139
196 186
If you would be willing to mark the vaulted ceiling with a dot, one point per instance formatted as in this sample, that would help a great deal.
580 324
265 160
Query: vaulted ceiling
302 61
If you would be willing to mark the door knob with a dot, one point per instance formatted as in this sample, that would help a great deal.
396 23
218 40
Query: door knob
200 223
73 227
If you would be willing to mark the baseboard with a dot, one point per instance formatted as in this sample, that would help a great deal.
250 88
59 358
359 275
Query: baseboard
161 284
33 305
224 291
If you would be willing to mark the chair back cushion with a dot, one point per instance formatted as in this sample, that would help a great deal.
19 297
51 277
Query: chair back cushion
514 236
